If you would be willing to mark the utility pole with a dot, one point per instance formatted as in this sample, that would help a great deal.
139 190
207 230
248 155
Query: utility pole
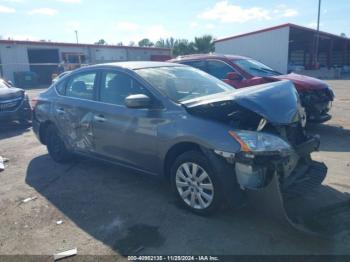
317 34
76 36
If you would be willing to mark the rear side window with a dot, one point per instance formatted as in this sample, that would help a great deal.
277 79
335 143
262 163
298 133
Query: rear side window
116 86
219 69
201 65
82 86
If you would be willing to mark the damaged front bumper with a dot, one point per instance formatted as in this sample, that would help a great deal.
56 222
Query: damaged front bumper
271 200
269 182
318 104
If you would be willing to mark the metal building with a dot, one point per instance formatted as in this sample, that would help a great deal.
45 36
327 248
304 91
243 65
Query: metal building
44 58
288 46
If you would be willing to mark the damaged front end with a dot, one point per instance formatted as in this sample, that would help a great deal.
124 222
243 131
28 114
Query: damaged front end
272 178
274 162
317 104
273 170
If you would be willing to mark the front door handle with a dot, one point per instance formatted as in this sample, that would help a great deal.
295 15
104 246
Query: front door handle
100 118
60 111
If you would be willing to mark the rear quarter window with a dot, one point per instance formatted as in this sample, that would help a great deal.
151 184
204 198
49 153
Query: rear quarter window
61 87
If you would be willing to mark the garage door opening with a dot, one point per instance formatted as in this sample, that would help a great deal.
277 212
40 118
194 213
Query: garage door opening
44 63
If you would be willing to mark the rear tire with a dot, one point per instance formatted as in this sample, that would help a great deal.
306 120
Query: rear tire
195 184
56 147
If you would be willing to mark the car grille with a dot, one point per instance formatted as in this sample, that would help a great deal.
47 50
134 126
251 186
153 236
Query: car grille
10 105
325 95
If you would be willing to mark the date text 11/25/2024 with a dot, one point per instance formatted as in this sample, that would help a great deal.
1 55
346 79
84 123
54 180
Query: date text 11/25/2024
173 258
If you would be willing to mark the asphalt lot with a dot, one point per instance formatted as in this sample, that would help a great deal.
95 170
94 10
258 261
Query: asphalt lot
108 210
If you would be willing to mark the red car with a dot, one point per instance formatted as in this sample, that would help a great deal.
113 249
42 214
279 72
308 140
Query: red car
238 71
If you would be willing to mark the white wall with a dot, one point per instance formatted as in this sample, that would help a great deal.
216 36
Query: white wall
270 47
14 58
103 54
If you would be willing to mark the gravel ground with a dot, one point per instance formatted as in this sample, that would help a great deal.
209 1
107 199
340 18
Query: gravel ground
108 210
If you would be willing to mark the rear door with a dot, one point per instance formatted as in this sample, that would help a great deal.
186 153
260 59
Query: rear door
74 107
123 134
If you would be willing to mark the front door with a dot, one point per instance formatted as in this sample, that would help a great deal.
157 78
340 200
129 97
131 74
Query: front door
220 69
124 134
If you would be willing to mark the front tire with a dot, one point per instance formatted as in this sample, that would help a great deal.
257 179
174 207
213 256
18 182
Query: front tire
56 147
195 184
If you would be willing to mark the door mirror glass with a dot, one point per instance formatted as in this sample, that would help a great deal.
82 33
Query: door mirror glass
234 76
138 101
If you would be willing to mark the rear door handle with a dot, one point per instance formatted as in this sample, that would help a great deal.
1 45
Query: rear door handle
100 118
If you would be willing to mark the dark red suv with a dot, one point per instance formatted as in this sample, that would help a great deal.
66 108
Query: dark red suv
238 71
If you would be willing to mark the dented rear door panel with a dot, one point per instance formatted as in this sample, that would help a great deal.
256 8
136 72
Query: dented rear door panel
73 118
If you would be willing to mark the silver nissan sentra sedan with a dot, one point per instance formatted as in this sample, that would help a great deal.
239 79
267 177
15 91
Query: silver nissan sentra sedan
213 143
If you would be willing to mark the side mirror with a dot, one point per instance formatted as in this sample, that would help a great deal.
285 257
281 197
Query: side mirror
234 76
138 101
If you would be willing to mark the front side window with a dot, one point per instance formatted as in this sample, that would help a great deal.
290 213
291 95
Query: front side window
219 69
82 86
117 86
255 68
181 83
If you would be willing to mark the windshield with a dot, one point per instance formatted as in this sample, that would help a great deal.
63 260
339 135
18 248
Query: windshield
183 83
255 68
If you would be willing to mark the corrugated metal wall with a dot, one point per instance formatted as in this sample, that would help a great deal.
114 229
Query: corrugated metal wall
14 57
269 47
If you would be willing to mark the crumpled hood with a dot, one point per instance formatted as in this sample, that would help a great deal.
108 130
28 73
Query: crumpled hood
10 93
304 83
277 102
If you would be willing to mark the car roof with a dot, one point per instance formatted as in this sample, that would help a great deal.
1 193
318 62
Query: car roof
133 65
208 56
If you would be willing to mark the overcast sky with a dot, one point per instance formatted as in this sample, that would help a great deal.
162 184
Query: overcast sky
130 20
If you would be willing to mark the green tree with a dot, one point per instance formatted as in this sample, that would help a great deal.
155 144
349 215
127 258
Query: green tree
183 47
101 42
204 44
343 35
146 43
166 43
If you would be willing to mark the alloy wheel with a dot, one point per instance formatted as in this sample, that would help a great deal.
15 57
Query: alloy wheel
194 186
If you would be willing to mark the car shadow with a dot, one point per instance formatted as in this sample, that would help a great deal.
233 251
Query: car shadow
135 213
323 210
333 138
12 129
